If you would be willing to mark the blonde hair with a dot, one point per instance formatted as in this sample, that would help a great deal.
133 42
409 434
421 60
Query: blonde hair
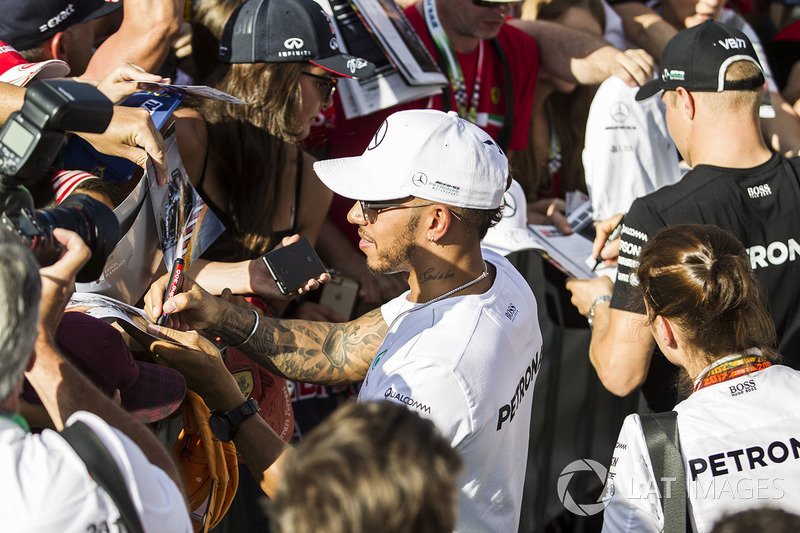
375 466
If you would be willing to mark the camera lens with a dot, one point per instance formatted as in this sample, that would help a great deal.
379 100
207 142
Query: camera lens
92 220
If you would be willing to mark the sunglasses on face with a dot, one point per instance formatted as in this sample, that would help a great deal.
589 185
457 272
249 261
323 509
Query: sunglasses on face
326 84
370 210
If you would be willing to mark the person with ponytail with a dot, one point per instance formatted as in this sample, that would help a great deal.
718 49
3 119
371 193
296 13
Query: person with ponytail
739 428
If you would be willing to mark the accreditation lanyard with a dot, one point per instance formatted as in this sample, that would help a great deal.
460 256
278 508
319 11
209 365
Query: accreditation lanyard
730 367
466 110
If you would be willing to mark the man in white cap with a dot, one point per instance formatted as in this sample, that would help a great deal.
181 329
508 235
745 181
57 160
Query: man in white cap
461 347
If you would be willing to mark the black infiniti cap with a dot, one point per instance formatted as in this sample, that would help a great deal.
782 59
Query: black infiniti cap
29 23
277 31
697 59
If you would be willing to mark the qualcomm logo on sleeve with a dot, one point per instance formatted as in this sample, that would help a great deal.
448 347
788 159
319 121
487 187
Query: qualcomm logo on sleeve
408 400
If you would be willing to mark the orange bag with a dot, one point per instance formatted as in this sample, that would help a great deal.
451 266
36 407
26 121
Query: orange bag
210 467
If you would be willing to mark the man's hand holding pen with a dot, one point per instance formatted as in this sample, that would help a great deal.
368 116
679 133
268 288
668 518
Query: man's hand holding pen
606 242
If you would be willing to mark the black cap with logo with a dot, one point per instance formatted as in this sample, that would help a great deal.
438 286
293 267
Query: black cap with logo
29 23
277 31
697 59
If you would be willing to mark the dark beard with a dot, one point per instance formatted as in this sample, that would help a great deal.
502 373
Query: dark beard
401 250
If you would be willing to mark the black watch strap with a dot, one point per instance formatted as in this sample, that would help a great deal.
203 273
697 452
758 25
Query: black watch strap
233 418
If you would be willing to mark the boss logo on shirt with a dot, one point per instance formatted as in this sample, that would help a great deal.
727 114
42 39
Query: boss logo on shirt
511 312
743 388
759 191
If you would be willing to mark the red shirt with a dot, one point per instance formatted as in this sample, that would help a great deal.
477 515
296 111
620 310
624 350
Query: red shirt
351 137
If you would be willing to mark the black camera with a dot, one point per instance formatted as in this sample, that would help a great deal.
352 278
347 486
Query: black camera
30 141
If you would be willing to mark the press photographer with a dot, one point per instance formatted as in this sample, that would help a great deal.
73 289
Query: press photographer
30 141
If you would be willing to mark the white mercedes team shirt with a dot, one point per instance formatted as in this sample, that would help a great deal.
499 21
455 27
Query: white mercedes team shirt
740 442
46 487
469 364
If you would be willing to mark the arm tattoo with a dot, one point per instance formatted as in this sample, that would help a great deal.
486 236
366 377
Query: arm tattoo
314 352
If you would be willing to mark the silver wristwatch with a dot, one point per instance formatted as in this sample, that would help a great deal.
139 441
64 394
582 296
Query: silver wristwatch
590 314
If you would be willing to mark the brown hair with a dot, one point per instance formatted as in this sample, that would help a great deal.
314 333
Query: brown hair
700 277
374 466
480 220
249 145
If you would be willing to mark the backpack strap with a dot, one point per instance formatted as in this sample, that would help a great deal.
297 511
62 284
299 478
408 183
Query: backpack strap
104 471
661 434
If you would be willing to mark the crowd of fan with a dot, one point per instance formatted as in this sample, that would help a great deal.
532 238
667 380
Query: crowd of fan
561 87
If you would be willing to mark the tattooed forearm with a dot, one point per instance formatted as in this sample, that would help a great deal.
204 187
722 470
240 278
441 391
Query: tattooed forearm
234 325
314 352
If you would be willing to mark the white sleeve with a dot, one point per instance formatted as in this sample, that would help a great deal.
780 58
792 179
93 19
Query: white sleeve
424 385
631 493
628 152
155 496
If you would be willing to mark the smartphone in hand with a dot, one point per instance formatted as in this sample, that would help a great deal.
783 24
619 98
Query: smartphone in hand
292 266
340 295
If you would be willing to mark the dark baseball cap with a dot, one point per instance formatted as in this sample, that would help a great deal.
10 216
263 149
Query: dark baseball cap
279 31
28 23
149 392
697 59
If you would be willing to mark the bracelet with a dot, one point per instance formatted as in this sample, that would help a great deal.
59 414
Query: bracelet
590 314
255 327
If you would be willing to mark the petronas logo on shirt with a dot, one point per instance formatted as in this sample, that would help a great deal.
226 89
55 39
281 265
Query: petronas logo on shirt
378 358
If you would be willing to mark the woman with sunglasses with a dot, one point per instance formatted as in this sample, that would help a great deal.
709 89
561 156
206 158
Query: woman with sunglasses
739 428
281 57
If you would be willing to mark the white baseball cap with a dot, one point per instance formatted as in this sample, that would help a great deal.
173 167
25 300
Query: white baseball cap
424 153
511 234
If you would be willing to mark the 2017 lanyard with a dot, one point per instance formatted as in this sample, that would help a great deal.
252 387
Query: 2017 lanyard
730 367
